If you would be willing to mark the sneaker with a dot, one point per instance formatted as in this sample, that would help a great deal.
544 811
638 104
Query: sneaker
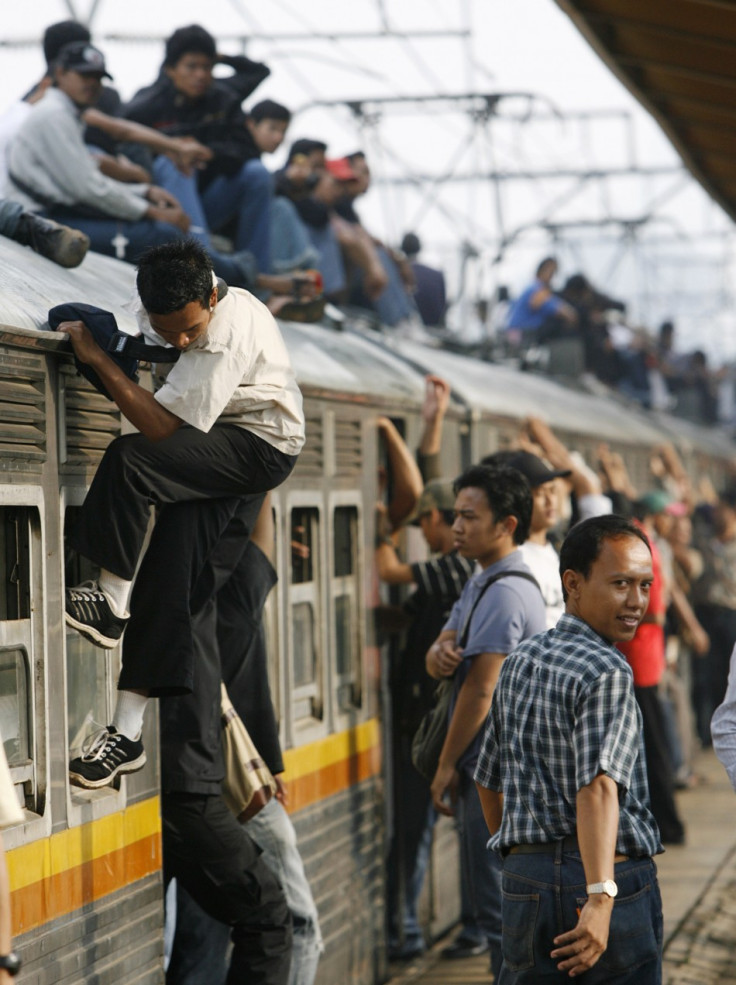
89 612
62 244
105 754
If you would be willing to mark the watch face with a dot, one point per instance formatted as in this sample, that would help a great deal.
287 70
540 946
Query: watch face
610 887
10 962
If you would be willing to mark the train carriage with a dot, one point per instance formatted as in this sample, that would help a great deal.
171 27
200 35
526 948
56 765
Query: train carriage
85 866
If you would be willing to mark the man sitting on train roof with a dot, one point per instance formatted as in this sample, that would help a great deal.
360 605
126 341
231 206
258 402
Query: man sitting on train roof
537 308
224 426
186 100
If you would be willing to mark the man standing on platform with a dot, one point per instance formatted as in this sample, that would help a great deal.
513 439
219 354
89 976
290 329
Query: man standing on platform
562 779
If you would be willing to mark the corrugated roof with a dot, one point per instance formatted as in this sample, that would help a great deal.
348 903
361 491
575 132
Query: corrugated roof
678 57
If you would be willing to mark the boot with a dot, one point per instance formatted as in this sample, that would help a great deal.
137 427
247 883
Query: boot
65 246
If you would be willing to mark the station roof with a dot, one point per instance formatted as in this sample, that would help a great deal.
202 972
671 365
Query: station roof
678 57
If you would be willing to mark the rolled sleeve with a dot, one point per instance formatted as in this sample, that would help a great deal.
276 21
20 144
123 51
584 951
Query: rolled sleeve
200 385
607 731
488 770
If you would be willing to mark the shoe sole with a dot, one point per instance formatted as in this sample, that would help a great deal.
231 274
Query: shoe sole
92 634
81 781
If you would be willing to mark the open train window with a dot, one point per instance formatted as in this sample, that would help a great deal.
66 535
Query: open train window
305 613
90 671
20 581
345 595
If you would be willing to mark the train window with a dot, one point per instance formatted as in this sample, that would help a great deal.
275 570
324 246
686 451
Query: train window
304 606
345 594
14 544
14 718
90 671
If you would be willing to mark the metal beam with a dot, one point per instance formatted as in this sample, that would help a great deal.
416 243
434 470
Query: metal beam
561 173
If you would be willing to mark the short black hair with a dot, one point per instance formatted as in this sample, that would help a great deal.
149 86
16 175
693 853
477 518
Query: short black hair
507 491
192 39
583 544
56 36
543 264
305 145
173 274
269 109
411 244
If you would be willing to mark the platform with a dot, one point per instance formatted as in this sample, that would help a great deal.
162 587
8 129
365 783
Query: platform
698 883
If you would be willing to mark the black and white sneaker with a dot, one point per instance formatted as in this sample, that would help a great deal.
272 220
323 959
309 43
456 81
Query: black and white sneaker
106 754
90 613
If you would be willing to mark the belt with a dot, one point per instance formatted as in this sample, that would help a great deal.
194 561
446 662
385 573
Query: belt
569 844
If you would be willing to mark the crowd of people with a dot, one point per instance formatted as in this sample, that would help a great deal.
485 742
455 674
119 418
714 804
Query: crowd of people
643 366
667 615
82 169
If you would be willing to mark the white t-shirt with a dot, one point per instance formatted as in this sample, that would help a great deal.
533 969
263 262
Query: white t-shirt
10 123
237 373
544 563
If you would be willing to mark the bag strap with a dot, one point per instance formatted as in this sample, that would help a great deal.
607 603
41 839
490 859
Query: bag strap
491 581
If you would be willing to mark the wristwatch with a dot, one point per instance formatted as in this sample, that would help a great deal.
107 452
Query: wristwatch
10 963
608 887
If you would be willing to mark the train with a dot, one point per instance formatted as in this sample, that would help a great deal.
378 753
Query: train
85 865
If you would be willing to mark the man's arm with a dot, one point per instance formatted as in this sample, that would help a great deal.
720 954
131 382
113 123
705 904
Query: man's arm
186 152
471 710
597 826
491 802
138 405
407 480
436 402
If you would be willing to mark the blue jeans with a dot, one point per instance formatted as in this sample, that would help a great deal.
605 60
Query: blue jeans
480 874
246 197
119 238
541 896
201 943
331 263
10 213
290 245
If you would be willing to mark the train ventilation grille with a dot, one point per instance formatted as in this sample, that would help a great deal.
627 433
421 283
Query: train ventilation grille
92 421
22 413
311 461
348 447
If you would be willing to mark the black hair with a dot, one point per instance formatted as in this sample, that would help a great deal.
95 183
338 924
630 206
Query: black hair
173 274
56 36
410 244
305 145
543 264
582 546
357 155
192 39
269 109
507 491
448 517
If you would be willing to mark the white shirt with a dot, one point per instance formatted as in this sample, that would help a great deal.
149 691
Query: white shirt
10 123
723 725
544 563
237 373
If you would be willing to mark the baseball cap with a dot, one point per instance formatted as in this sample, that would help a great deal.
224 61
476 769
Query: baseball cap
341 169
531 466
655 501
439 494
79 56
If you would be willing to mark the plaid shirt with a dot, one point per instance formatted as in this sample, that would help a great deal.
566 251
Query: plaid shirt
563 712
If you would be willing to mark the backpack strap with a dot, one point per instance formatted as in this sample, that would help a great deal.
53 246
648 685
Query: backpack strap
463 639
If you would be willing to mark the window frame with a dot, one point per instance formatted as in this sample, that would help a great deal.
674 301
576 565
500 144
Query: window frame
352 586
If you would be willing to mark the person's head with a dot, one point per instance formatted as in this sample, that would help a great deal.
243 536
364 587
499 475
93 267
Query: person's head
361 181
411 245
493 509
268 122
314 150
190 56
547 269
724 513
176 287
541 478
435 514
57 36
657 509
606 571
79 69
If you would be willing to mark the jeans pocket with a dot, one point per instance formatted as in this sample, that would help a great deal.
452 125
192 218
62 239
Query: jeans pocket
632 938
519 913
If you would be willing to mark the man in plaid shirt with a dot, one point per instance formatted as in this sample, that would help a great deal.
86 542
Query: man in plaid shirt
562 779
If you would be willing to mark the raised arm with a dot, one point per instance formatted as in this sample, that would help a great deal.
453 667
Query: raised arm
436 402
407 480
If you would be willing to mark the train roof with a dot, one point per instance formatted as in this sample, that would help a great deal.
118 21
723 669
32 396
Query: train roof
677 58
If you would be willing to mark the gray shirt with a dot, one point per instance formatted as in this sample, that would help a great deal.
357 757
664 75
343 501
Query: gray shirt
723 726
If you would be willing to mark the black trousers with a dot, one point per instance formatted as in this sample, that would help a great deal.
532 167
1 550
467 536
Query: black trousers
136 473
659 766
212 856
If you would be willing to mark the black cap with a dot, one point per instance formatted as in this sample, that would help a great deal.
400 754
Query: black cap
531 466
79 56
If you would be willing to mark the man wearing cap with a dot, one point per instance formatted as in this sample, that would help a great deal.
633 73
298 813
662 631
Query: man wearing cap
438 582
538 553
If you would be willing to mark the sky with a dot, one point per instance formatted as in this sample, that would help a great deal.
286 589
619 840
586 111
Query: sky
664 248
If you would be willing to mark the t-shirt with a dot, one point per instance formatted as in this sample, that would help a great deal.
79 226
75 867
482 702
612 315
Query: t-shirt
237 373
510 611
521 314
544 563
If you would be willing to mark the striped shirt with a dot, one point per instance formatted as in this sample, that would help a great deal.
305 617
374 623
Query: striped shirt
563 712
442 578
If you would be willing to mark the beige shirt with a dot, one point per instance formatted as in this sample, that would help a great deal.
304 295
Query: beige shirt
238 373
